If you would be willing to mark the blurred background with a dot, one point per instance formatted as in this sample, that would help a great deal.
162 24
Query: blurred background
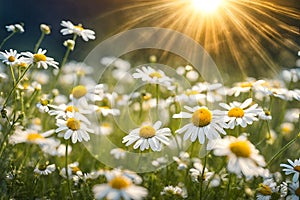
108 17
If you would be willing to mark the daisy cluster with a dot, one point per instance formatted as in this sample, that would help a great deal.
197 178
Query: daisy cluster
227 140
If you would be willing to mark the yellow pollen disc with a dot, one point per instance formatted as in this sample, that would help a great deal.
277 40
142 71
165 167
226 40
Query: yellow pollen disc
191 92
71 109
268 113
240 149
79 91
39 57
75 169
44 102
245 84
264 189
22 64
297 191
34 136
42 167
286 129
201 117
155 74
297 168
236 112
11 59
146 97
119 182
147 132
79 27
73 124
106 125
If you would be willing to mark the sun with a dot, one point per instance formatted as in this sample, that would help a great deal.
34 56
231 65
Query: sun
205 6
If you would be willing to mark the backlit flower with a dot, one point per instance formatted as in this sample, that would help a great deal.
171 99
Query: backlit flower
292 168
10 57
70 28
40 59
148 136
204 124
242 156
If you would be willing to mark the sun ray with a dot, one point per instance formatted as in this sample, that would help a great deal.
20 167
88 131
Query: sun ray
248 31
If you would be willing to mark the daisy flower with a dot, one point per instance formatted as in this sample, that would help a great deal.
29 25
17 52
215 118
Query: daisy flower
105 110
240 113
74 172
15 28
74 127
204 123
39 59
119 187
10 57
177 192
247 86
294 190
70 28
30 136
81 94
118 153
64 111
44 169
267 189
152 76
148 136
243 157
182 161
292 168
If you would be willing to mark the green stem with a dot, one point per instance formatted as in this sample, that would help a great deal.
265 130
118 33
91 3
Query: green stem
37 45
12 74
7 38
157 97
202 178
15 86
282 150
228 186
67 171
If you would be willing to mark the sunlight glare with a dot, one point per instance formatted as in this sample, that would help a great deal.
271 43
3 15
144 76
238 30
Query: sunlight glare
207 6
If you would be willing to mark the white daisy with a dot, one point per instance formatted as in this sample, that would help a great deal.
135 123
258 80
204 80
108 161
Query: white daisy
15 28
265 115
292 168
247 86
175 192
39 59
204 123
70 28
10 57
294 190
240 113
119 187
30 136
74 127
267 189
105 110
118 153
74 172
152 76
243 157
148 136
182 161
44 169
64 111
81 94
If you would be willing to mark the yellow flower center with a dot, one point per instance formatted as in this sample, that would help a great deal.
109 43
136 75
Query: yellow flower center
79 27
236 112
11 59
240 149
297 191
71 109
75 169
264 189
39 57
42 167
73 124
119 182
147 132
105 125
297 168
34 136
22 64
191 92
245 84
155 74
44 102
201 117
79 91
267 113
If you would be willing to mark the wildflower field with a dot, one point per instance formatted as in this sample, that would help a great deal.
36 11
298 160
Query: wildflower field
111 127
